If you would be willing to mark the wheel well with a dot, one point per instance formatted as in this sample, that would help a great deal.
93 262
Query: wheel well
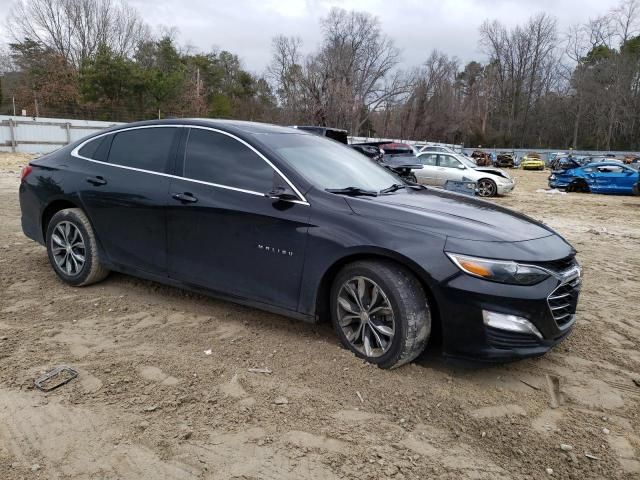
51 209
324 291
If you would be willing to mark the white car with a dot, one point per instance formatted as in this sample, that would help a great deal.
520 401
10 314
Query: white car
437 168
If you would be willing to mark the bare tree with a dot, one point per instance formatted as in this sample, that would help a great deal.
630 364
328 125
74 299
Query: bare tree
76 28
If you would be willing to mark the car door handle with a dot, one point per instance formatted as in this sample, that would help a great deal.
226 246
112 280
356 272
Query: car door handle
185 197
97 180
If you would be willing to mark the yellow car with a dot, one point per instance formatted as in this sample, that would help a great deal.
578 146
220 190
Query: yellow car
532 161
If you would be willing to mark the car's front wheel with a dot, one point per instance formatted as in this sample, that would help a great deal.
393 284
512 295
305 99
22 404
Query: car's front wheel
380 312
487 188
72 248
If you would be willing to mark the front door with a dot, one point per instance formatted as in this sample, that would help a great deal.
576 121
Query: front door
224 233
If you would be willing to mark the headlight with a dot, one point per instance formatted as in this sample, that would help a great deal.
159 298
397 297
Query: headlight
499 270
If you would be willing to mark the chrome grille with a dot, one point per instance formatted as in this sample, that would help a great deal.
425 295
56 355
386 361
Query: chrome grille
563 302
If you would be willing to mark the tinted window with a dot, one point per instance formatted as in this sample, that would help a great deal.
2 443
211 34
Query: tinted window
144 148
429 159
448 161
327 164
217 158
96 149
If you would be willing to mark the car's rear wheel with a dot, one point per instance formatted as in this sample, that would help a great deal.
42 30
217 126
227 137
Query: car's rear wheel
635 190
72 248
487 188
380 312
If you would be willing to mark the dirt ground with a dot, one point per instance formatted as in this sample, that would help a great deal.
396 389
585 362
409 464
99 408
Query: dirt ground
150 403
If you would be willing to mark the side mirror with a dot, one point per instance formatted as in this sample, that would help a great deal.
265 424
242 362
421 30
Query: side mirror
462 167
281 193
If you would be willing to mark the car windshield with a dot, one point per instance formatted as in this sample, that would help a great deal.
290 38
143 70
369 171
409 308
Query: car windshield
329 165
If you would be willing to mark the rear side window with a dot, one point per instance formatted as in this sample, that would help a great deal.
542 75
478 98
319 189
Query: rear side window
217 158
429 159
97 149
144 148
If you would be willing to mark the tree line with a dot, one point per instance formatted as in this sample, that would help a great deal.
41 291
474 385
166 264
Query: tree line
537 85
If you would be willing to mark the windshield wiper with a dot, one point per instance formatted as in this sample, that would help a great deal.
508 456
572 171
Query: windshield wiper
393 188
355 191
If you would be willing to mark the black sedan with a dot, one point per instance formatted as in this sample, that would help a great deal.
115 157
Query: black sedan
290 222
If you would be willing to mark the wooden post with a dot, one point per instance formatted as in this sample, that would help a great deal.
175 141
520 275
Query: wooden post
67 126
12 133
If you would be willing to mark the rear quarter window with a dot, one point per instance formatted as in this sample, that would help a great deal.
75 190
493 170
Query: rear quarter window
97 149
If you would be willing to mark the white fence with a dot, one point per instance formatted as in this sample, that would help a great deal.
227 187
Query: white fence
43 135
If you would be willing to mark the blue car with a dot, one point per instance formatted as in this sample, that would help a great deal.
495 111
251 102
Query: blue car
601 177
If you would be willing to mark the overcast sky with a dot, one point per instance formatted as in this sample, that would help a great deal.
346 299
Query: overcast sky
246 27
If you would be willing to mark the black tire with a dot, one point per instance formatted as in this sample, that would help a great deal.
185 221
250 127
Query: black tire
91 270
411 177
409 310
579 186
635 190
487 187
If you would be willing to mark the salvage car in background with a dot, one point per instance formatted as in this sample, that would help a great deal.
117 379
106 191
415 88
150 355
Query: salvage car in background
482 159
440 167
294 223
532 161
601 177
505 160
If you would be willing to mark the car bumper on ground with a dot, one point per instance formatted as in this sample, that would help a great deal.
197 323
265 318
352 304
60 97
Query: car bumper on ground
548 308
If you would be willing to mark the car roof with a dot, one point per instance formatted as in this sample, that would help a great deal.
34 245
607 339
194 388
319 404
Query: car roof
605 164
231 126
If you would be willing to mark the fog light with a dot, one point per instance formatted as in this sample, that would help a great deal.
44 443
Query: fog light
511 323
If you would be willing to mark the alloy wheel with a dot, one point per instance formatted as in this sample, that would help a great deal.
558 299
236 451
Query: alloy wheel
486 188
365 316
68 248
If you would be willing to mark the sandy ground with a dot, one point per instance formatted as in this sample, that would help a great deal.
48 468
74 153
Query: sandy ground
149 403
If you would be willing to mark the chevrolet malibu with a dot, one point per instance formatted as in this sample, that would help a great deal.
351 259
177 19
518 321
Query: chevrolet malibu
293 223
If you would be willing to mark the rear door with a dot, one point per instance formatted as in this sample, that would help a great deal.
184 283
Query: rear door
428 173
125 195
224 234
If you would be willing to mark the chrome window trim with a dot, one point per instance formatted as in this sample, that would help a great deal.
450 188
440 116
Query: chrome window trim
302 200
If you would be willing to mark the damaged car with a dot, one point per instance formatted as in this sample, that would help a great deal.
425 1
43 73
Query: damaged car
532 161
602 177
505 160
482 159
438 168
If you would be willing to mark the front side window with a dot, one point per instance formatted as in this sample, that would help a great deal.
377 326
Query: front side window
144 148
448 161
327 164
218 158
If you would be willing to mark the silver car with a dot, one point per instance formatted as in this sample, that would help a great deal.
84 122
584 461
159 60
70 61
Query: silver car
439 167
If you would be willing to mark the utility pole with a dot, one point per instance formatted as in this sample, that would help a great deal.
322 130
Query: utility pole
13 99
35 100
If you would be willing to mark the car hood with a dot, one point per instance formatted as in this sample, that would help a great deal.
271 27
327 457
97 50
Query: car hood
450 214
493 171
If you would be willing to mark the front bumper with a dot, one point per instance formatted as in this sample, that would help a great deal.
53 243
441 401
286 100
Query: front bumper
505 188
466 337
532 166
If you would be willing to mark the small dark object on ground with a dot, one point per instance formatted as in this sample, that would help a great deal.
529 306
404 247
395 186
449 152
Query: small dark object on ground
45 382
